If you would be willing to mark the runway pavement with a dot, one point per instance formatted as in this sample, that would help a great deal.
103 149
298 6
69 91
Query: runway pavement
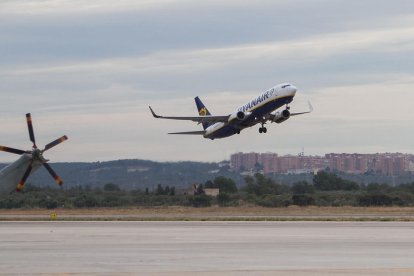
207 248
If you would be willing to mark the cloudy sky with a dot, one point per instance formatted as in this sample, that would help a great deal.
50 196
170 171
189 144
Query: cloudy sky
89 69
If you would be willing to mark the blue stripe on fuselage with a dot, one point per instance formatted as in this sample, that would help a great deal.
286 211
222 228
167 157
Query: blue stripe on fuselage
231 129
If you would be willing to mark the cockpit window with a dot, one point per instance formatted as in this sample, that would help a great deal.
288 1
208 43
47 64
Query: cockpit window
286 85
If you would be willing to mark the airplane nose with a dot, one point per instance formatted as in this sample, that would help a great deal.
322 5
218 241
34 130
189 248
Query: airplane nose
292 90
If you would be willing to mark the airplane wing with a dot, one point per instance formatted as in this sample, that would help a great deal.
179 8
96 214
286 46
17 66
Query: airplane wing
201 132
198 119
300 113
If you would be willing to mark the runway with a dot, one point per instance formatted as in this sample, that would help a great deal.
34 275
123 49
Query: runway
207 248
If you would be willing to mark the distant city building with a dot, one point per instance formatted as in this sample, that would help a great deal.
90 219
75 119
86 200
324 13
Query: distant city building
380 163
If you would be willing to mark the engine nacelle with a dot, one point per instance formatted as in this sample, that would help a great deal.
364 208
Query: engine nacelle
281 116
239 116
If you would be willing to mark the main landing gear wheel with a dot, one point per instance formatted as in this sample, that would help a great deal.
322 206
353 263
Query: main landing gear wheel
262 130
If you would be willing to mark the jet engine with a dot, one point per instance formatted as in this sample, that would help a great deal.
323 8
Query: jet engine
281 116
239 116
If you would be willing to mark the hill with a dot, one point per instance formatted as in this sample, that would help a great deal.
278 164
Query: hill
134 174
140 174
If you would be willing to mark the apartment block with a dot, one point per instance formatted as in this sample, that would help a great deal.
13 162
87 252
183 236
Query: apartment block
381 163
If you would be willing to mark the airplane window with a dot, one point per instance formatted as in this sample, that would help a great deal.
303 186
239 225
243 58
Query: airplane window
287 85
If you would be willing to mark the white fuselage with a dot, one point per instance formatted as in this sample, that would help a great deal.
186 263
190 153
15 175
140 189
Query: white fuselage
12 174
257 109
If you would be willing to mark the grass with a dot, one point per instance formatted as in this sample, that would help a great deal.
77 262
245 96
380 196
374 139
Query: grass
244 213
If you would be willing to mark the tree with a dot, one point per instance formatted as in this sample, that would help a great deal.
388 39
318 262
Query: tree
261 185
303 187
110 187
160 190
226 185
325 181
167 190
249 181
210 185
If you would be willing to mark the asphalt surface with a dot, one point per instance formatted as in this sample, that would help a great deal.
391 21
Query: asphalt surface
207 248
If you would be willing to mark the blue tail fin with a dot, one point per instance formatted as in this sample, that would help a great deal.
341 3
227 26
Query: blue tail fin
202 111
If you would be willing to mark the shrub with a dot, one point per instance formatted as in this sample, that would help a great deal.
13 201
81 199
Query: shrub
200 200
375 200
83 201
273 201
302 200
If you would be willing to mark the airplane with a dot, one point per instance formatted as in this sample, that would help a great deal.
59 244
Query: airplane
257 111
14 176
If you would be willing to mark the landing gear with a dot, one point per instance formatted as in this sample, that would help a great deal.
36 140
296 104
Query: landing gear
262 120
262 129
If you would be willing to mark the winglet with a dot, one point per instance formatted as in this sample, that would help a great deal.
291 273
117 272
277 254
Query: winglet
153 113
310 107
306 112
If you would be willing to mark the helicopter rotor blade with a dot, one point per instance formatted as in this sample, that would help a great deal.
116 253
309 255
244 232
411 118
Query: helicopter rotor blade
53 174
30 128
12 150
56 142
26 174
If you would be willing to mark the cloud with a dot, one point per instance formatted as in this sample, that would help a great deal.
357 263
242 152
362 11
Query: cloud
89 69
303 49
77 6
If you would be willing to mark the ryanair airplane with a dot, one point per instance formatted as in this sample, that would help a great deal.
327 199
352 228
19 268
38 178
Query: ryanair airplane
257 111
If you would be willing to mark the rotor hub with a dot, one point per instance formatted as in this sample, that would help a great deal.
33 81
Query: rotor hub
37 154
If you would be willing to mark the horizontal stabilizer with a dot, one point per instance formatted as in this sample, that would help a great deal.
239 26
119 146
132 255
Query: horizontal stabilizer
201 132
